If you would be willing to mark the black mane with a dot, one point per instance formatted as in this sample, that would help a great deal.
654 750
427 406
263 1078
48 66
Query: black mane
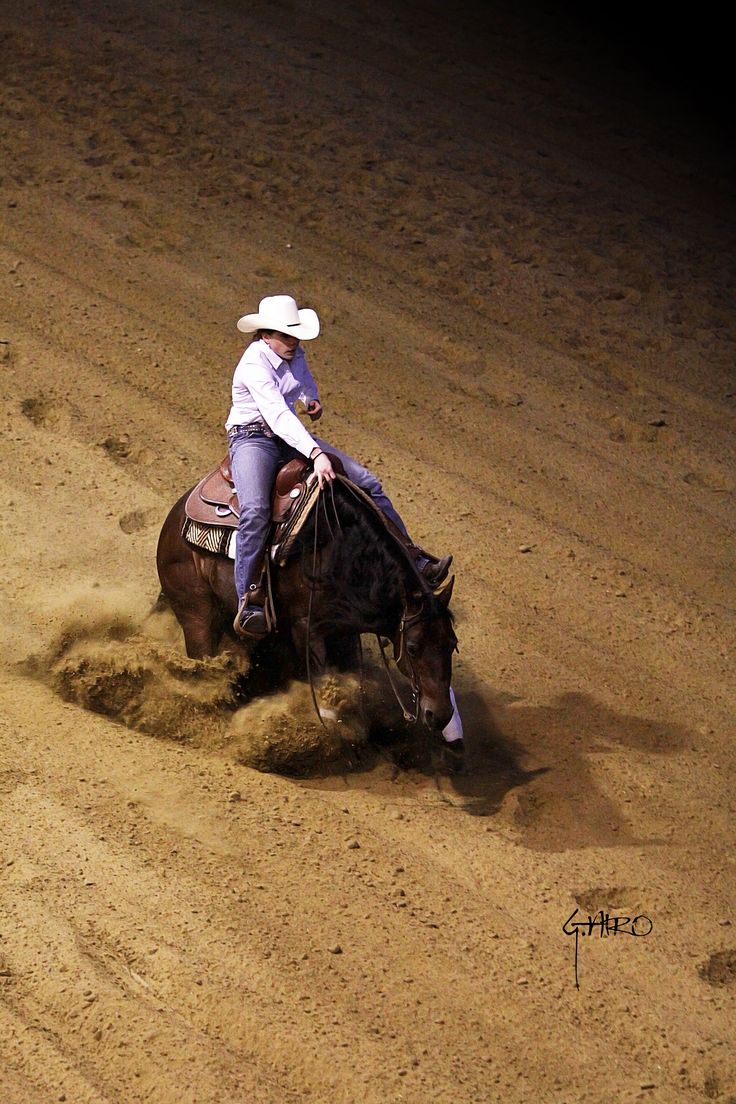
360 563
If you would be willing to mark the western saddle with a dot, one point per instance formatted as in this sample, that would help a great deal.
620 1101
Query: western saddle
212 508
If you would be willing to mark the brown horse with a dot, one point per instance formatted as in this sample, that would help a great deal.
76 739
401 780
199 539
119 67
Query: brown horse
346 575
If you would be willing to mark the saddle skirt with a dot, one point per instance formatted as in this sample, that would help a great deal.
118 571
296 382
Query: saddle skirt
212 508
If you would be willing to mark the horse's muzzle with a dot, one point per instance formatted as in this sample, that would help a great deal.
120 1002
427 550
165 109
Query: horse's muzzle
435 717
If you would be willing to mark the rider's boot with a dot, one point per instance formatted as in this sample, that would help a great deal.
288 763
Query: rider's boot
430 567
251 620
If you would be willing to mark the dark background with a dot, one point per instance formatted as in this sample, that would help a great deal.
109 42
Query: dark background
684 58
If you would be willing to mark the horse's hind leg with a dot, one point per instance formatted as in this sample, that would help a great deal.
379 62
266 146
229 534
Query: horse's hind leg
202 628
189 584
196 609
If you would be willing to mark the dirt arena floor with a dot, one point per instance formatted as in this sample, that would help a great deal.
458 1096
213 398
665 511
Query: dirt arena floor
521 253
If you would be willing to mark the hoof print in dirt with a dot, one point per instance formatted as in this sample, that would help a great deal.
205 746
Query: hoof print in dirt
35 410
119 448
136 520
719 969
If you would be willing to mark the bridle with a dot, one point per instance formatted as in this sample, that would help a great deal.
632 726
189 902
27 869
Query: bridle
401 655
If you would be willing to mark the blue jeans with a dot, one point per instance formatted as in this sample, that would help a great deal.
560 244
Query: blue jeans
254 462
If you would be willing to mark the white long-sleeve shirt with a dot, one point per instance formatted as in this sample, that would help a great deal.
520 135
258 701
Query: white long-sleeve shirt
267 387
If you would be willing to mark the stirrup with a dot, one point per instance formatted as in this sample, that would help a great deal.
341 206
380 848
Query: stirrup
250 620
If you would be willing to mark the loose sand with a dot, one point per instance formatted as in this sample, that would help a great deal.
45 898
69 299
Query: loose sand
522 260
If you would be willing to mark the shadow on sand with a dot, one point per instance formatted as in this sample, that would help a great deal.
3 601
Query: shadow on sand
535 761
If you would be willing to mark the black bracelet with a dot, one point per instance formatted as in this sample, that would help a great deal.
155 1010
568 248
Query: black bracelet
320 453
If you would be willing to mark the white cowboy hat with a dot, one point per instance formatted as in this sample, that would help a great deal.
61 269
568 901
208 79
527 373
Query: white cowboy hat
280 312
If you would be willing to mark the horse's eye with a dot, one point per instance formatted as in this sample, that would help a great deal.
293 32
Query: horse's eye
412 649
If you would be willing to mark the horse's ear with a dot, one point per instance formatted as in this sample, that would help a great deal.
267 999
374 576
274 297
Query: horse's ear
445 594
414 599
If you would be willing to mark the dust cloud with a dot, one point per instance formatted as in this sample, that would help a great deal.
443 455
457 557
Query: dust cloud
113 655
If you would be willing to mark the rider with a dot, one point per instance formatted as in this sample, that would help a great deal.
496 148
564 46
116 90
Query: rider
264 432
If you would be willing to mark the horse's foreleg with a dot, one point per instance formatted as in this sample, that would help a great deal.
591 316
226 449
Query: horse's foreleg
343 652
310 648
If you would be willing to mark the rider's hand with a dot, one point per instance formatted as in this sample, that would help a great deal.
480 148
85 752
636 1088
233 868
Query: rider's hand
323 469
314 410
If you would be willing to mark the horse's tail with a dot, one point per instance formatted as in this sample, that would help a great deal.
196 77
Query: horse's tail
161 604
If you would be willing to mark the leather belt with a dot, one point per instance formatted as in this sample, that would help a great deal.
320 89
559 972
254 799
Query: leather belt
252 429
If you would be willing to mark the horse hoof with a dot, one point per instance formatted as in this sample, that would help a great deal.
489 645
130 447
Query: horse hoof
453 757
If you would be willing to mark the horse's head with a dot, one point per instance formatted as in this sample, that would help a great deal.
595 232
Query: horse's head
423 647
